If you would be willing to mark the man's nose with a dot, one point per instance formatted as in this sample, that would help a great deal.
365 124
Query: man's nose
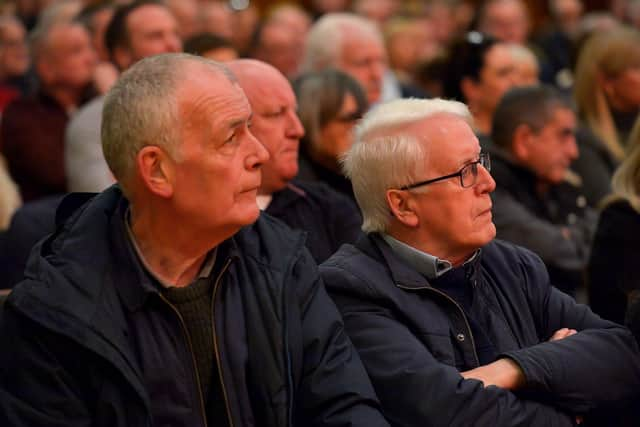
485 182
294 127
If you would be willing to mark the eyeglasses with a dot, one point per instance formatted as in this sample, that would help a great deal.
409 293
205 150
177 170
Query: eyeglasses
468 174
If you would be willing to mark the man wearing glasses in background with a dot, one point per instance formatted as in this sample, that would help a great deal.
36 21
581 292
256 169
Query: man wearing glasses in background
455 328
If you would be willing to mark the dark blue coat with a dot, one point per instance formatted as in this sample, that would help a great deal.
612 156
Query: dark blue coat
87 340
328 217
411 337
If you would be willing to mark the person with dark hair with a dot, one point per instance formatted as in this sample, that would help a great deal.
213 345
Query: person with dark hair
328 217
537 204
479 71
211 46
168 299
330 103
136 30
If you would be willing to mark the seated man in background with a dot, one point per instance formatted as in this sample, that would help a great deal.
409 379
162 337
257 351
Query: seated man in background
158 303
138 29
32 130
455 328
329 218
536 204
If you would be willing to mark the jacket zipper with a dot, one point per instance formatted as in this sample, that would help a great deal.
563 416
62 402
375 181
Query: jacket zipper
464 317
193 358
215 340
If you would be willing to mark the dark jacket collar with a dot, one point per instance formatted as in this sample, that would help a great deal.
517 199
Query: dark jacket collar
508 174
285 197
402 274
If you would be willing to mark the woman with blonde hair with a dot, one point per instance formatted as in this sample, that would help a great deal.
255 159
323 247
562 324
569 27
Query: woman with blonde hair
607 95
613 267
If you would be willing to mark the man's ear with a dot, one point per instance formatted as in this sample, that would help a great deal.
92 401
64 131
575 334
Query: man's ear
156 170
402 207
521 142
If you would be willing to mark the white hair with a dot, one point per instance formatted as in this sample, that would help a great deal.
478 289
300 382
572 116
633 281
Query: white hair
325 38
385 155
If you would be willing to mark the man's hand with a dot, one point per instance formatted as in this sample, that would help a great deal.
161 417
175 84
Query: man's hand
562 333
504 373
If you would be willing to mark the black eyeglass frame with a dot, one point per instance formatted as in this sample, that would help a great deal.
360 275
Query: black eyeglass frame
483 159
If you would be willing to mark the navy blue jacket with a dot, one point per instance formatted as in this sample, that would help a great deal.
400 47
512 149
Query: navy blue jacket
411 337
329 218
88 340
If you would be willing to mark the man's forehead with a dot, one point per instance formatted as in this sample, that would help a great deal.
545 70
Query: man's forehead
146 17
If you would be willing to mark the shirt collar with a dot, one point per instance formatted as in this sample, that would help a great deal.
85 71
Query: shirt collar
426 264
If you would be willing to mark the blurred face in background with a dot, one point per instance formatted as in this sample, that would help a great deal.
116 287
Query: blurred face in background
14 54
68 58
498 75
363 57
336 136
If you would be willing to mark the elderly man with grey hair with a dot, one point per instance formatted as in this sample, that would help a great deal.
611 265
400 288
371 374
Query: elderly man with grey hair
167 300
454 327
353 44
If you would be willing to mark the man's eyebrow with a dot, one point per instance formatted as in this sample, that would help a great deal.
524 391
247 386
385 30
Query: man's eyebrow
234 123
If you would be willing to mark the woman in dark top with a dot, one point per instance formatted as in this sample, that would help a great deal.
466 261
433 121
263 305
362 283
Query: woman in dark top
613 267
330 103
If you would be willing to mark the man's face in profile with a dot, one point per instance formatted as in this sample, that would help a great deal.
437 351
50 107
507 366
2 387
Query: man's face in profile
276 124
552 149
216 172
457 219
364 58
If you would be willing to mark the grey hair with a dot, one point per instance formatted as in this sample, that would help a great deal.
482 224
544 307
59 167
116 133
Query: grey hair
325 38
385 156
39 37
142 109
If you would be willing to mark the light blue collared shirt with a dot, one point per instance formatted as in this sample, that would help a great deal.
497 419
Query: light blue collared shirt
426 264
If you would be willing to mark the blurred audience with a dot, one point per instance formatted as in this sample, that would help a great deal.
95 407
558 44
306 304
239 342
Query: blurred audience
527 67
533 136
278 45
607 95
187 15
409 41
355 45
217 18
211 46
330 103
14 61
506 20
33 128
557 40
137 30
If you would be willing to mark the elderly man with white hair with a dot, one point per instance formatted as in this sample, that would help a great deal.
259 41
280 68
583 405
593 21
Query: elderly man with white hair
354 45
454 327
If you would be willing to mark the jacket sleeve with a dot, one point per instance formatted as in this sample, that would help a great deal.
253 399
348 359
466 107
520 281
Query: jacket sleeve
51 394
515 223
334 389
597 366
414 387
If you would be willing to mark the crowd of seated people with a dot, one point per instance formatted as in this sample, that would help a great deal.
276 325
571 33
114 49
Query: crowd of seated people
323 212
